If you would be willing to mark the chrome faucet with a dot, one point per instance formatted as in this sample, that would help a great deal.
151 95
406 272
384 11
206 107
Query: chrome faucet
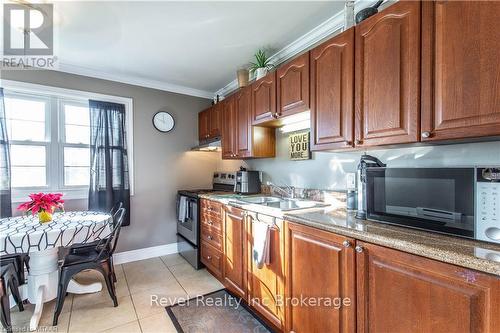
288 193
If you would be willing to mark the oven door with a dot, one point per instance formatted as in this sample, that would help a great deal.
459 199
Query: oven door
437 199
187 218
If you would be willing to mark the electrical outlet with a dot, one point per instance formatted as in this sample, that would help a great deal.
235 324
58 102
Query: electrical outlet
350 181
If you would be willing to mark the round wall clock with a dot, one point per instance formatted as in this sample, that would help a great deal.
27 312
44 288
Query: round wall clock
163 121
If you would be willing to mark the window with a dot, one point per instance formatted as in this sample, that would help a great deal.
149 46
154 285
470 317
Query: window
49 134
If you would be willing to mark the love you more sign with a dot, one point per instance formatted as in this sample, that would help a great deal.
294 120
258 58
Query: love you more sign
298 146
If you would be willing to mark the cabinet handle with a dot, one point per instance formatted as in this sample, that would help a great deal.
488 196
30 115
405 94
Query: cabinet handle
346 243
358 142
426 135
210 237
210 223
359 248
209 257
348 143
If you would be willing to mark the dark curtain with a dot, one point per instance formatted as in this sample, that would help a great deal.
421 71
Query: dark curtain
109 177
5 192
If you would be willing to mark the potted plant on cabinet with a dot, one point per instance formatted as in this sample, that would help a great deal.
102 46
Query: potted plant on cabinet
261 65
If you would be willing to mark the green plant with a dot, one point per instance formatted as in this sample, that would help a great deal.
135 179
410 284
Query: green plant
261 61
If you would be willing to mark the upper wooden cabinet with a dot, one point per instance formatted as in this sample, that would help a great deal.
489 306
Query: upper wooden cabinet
332 93
204 125
401 292
320 265
264 99
266 284
229 120
234 267
387 76
460 71
243 103
293 86
215 120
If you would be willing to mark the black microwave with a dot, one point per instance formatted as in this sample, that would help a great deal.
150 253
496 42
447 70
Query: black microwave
457 201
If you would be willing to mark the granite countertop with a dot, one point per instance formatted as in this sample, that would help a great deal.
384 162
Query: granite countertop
481 256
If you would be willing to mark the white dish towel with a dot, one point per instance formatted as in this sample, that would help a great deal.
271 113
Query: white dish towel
183 206
261 243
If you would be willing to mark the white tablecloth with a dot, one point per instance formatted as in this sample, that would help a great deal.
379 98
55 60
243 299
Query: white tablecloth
24 234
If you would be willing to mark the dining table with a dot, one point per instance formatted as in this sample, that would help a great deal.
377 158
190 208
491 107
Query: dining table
41 241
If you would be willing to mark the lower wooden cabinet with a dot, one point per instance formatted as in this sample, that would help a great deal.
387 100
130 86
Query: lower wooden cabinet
320 281
212 258
401 292
266 284
234 263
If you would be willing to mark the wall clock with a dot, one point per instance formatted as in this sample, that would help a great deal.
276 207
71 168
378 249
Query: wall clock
163 121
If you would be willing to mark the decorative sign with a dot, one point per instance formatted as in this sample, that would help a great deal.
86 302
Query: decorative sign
299 146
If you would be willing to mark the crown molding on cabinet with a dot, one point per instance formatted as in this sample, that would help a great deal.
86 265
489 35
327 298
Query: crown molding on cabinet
328 28
128 79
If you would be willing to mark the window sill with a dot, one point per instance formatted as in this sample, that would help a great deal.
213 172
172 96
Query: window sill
20 196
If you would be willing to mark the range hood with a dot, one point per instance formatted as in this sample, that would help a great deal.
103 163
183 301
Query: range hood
209 145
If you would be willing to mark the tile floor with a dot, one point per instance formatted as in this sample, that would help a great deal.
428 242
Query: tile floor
169 277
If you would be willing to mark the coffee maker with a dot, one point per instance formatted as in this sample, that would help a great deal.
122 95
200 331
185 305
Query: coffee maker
247 182
365 162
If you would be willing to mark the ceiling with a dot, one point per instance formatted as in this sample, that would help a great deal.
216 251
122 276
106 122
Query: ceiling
193 45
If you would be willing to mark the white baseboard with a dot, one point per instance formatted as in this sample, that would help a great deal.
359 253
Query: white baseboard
146 253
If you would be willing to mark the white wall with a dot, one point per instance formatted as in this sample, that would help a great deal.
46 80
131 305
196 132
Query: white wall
327 170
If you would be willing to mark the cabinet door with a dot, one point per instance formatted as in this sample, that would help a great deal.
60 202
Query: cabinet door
204 125
264 99
234 251
320 264
293 86
332 93
401 292
266 285
215 120
387 76
228 128
243 101
460 71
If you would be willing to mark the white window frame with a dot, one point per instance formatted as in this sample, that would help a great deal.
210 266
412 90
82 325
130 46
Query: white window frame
55 145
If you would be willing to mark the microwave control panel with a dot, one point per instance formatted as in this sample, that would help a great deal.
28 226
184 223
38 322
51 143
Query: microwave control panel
488 204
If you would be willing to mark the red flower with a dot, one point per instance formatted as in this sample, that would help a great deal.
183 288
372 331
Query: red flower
42 202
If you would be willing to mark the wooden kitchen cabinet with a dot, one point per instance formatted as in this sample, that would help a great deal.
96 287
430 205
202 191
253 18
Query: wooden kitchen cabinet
292 84
235 245
319 264
266 284
332 93
229 132
402 292
387 76
204 125
264 99
215 120
460 71
243 103
211 236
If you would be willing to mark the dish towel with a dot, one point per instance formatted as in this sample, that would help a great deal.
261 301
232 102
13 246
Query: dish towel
261 243
183 206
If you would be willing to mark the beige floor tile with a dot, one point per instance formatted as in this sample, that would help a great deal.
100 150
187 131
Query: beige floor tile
132 327
153 301
159 323
195 282
173 259
88 277
100 317
147 274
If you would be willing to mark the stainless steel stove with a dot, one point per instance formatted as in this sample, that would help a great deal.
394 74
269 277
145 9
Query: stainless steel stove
188 216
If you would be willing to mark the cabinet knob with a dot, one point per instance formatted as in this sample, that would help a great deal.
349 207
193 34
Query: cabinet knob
358 142
359 248
346 243
348 143
209 257
210 223
209 237
426 134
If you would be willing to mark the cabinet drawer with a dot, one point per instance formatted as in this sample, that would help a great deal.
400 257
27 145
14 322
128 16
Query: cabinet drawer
211 236
212 221
211 258
211 207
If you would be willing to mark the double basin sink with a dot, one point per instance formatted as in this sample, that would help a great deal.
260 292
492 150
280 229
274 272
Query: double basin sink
283 204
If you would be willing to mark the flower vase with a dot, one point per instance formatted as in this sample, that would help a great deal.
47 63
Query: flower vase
44 216
260 73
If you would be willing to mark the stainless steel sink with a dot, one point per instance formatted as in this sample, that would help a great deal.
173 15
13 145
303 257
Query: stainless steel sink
283 203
